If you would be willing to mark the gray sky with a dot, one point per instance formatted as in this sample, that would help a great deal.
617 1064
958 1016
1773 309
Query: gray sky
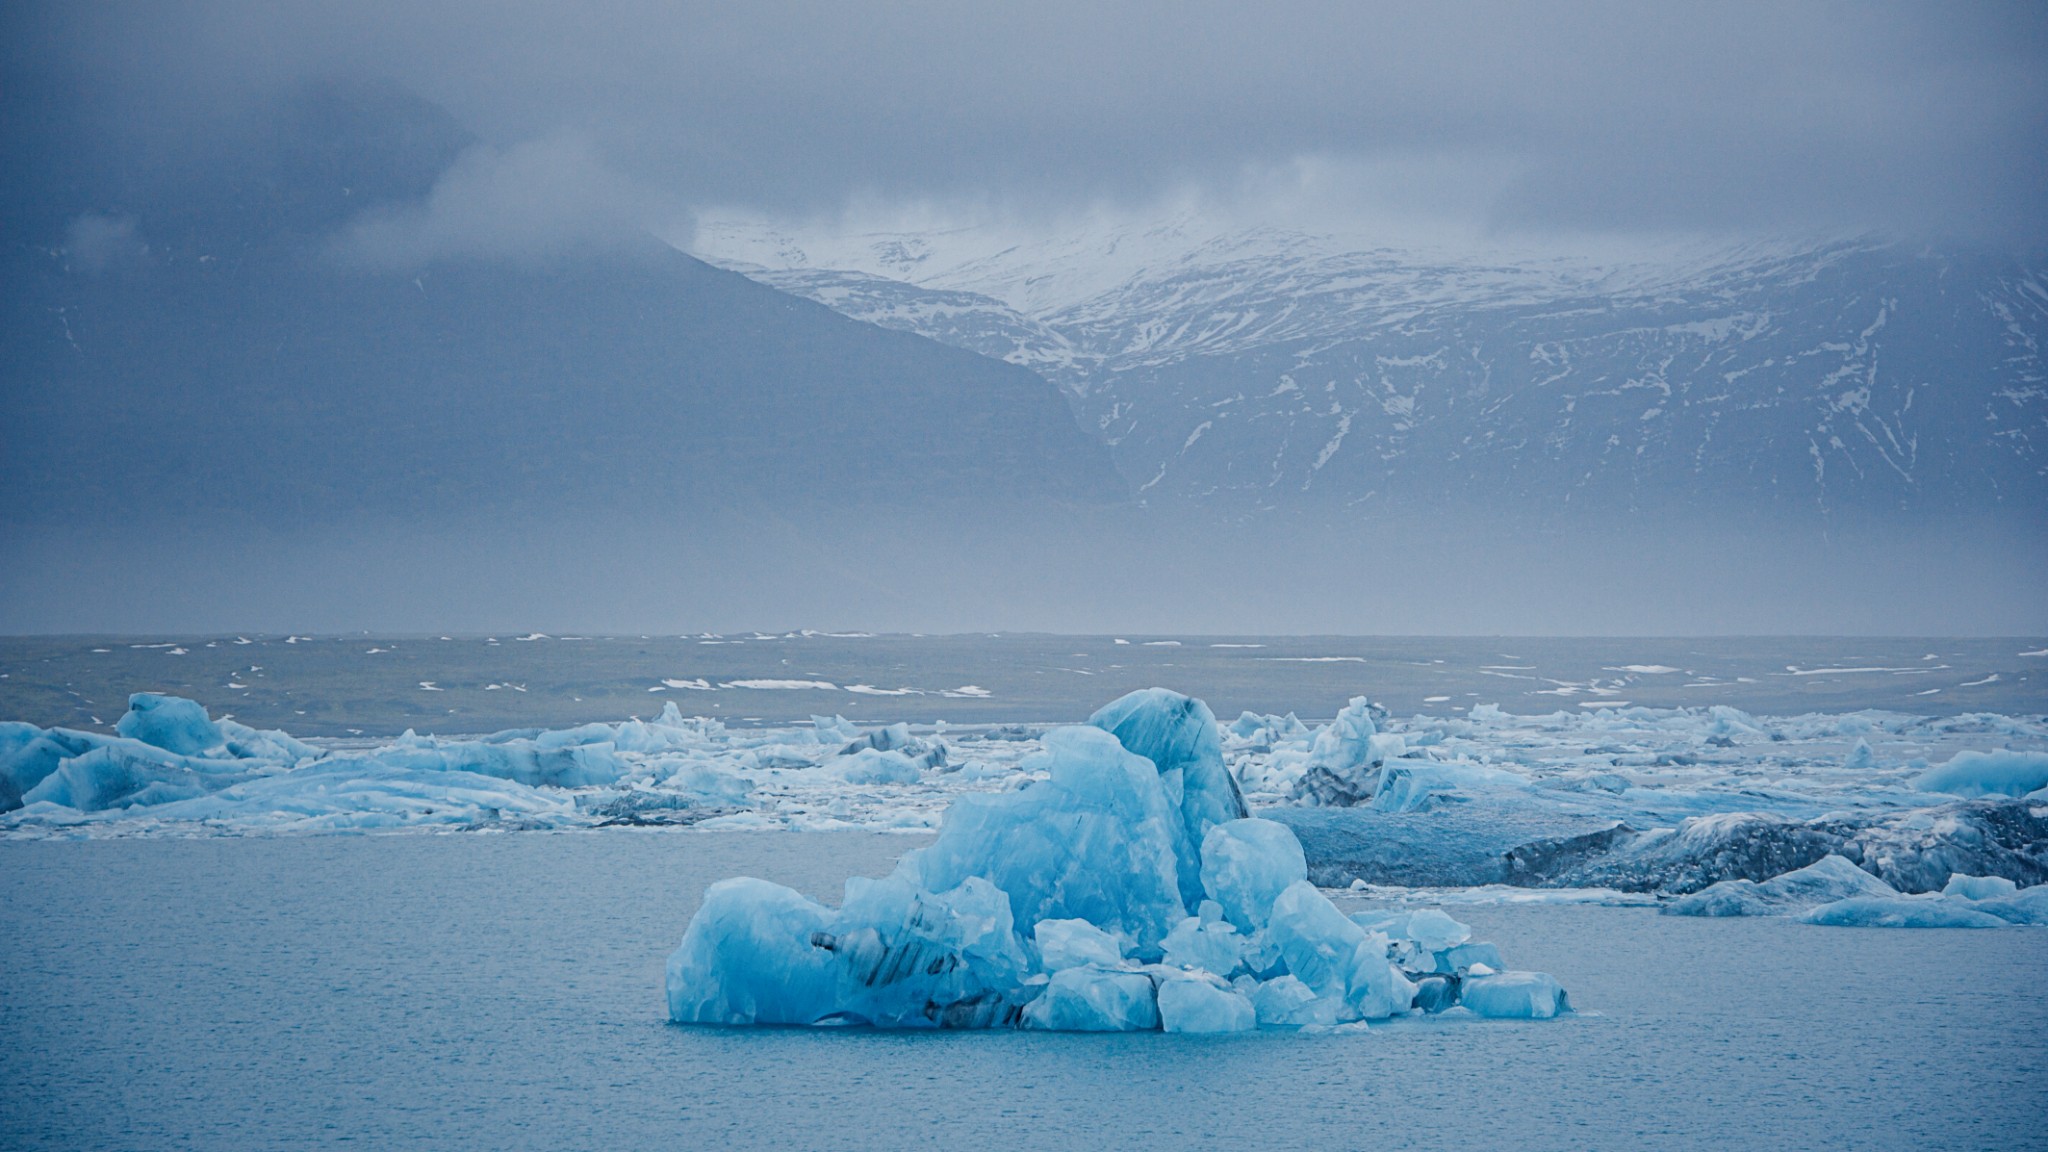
1921 119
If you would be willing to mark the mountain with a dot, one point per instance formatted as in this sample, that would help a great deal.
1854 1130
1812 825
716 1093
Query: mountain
193 345
1265 369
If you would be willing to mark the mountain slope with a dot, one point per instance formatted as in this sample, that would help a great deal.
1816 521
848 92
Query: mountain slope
1271 369
204 352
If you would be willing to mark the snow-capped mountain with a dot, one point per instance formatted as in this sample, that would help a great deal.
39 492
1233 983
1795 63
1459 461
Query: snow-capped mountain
1267 368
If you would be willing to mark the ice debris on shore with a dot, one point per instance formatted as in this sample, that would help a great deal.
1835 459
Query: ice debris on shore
1127 890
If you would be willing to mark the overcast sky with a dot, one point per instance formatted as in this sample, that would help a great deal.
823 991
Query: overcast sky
1925 120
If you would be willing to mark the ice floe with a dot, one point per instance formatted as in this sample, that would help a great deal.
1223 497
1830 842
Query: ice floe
1625 805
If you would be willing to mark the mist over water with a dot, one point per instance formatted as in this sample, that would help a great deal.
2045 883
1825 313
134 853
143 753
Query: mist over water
1036 568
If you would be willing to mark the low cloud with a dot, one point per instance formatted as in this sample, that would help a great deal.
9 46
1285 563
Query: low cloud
533 201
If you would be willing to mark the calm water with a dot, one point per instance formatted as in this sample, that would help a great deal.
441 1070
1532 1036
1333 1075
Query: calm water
378 686
481 991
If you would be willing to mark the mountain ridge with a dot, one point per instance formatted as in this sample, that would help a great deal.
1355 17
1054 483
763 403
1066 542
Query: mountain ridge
1253 371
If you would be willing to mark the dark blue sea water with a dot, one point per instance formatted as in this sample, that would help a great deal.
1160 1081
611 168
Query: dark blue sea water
379 686
503 991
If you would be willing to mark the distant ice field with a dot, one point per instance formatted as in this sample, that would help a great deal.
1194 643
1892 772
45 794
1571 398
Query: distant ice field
493 991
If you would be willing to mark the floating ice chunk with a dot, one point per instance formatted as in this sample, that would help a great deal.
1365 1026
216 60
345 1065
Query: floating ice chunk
1978 887
1415 785
666 732
579 736
834 729
1072 943
1973 774
897 738
1825 881
1095 842
1514 996
1190 1003
1468 957
1901 912
888 738
1435 994
1285 1000
1315 939
747 958
1254 728
528 762
246 743
1340 766
116 775
1245 866
1213 946
2027 906
1433 931
1178 735
122 773
1335 957
911 959
1091 999
171 723
1860 756
1730 723
348 794
29 754
870 766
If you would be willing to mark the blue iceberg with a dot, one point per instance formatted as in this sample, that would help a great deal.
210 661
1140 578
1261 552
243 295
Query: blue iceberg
1178 736
2000 773
167 749
170 723
1902 912
1125 891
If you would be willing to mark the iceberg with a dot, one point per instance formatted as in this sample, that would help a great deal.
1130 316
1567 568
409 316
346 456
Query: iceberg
1178 735
907 958
1093 999
1336 958
167 749
349 794
1978 887
1829 879
125 773
1901 912
1087 866
873 766
170 723
2027 906
1339 771
1268 730
1285 1001
1246 864
1191 1003
29 754
575 758
1206 942
2000 773
1514 996
896 739
1095 842
1066 944
748 958
1415 786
